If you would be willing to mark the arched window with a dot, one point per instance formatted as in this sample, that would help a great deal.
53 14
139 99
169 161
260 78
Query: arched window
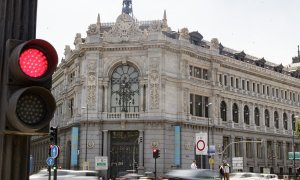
125 89
223 109
276 120
246 115
256 116
293 122
235 113
285 121
267 118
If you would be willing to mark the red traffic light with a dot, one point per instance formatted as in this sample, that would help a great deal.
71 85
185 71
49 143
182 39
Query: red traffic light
33 60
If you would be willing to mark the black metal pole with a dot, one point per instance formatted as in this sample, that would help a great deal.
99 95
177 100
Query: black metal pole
55 159
49 169
294 158
17 21
155 168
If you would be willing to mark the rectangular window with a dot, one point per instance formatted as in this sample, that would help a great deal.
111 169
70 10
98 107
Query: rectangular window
225 144
191 70
277 93
268 93
263 89
259 150
205 74
253 87
191 104
279 150
71 107
248 86
220 79
237 83
206 107
198 105
249 149
273 92
231 81
197 72
225 80
258 88
243 84
237 147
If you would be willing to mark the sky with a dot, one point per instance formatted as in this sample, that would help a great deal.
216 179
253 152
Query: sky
262 28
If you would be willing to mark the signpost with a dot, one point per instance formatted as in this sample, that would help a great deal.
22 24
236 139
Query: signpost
201 143
101 163
237 163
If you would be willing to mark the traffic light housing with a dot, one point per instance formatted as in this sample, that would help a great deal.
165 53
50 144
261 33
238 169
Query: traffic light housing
53 135
29 66
156 153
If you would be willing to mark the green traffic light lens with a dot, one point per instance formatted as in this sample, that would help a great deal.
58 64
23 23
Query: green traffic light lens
31 109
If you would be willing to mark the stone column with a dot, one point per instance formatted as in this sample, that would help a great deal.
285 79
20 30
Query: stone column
141 167
274 155
141 97
105 142
251 115
105 97
244 146
232 152
265 155
284 150
255 153
229 112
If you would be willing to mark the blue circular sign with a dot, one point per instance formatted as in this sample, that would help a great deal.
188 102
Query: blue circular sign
50 161
54 151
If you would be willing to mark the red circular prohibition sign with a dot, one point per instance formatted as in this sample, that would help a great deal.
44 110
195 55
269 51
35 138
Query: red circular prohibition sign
200 141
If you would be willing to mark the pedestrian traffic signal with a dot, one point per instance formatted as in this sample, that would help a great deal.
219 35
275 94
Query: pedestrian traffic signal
53 135
156 153
28 80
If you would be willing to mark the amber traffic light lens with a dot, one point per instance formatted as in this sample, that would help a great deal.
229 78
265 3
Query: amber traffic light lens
31 109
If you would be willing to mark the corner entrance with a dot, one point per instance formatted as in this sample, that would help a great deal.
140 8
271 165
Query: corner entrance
124 152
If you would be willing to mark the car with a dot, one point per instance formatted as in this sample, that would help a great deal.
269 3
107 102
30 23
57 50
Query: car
193 174
246 176
65 174
62 174
91 175
270 176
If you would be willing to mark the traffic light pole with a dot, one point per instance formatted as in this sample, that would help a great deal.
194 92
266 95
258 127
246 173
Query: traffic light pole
155 168
18 21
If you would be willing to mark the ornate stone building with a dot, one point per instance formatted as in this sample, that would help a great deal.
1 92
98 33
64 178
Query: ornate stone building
130 86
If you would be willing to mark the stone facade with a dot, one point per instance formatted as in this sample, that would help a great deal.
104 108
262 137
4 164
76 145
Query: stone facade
182 82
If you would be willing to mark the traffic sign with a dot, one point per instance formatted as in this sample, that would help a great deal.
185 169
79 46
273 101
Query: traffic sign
54 151
201 143
50 161
101 163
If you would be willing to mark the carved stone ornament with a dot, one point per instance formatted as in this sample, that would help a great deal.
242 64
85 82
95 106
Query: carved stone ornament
214 44
125 29
184 34
92 30
155 26
154 89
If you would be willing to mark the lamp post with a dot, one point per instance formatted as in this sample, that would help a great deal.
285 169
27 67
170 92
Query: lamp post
208 132
294 158
87 128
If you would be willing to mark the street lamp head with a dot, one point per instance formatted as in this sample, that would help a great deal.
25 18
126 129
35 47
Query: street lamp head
209 104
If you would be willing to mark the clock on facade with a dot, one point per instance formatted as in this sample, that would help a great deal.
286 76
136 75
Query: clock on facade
124 22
